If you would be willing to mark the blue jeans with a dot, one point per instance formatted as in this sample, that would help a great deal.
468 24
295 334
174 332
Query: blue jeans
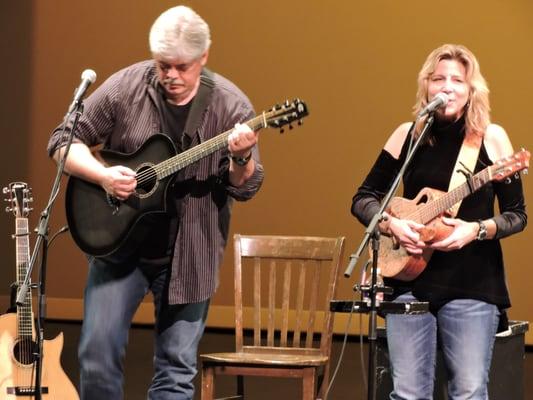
466 332
112 295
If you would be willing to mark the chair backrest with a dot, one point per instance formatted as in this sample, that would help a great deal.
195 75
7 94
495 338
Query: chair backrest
283 288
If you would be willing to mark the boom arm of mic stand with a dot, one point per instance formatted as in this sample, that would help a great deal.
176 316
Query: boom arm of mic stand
378 217
45 215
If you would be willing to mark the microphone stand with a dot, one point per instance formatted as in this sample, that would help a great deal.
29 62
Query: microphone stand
42 242
372 232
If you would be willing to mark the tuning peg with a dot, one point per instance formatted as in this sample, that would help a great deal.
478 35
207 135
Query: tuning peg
5 190
9 209
290 127
300 122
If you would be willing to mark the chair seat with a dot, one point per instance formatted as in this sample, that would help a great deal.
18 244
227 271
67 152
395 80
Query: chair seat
295 360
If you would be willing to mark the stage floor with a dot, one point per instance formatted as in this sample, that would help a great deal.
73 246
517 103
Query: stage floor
138 365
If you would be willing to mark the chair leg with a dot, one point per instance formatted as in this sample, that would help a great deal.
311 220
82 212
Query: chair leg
240 386
324 383
308 384
208 383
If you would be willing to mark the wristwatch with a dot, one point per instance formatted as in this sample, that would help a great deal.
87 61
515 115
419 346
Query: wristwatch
482 232
241 161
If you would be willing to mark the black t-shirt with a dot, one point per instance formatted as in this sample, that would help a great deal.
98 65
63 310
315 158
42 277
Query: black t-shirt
162 230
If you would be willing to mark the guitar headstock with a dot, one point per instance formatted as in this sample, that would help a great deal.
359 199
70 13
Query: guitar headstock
19 197
504 168
286 113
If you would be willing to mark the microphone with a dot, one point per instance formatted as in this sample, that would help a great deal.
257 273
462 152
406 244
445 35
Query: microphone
87 77
440 100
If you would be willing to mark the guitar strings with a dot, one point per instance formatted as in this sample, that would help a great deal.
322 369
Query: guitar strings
24 314
431 210
177 162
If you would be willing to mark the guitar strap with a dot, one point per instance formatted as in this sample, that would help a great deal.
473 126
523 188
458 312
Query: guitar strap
464 167
200 103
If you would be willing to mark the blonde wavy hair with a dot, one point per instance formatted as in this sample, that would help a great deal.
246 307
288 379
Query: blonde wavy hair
477 109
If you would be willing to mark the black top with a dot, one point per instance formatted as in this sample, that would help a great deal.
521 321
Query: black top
476 271
174 119
159 243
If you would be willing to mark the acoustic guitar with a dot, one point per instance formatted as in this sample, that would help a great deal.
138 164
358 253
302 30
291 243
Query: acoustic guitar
17 332
428 207
103 226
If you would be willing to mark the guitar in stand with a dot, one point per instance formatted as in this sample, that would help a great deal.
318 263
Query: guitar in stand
18 347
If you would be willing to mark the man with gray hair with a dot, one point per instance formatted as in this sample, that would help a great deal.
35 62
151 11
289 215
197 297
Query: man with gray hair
181 252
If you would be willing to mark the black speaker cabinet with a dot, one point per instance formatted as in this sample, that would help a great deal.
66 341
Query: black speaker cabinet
506 372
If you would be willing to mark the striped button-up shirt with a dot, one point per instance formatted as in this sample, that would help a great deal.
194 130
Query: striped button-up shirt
122 113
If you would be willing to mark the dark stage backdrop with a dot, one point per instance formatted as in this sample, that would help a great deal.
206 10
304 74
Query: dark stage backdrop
354 63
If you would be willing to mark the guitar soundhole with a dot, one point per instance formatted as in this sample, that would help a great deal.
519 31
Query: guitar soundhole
423 200
24 351
146 181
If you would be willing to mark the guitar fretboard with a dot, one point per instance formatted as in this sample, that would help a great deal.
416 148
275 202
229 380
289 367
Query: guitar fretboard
24 312
433 209
174 164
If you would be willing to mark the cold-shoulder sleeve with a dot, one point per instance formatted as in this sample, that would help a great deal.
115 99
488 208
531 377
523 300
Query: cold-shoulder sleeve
367 199
513 216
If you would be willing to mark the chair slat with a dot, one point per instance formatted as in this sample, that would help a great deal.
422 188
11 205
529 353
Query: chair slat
257 301
313 300
285 304
299 306
238 295
271 303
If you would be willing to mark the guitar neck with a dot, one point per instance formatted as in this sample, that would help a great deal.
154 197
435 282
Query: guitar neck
433 209
174 164
24 312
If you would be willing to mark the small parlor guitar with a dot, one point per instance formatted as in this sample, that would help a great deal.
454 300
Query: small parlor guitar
101 224
17 333
427 208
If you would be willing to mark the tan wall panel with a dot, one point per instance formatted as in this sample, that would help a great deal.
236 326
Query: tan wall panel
355 63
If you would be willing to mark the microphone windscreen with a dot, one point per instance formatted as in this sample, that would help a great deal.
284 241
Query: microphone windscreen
443 97
88 74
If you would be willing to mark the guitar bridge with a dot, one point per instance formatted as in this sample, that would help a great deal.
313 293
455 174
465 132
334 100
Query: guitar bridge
25 390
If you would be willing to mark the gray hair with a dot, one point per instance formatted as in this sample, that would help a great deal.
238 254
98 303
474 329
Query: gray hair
179 33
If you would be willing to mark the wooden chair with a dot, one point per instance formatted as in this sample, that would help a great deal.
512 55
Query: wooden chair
283 287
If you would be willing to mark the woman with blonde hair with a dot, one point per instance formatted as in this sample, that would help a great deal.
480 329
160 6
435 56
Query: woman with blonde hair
463 279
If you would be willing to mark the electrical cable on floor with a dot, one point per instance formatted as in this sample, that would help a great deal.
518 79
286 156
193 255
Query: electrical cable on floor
343 348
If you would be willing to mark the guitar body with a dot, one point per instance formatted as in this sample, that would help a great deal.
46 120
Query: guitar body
394 261
428 207
100 224
14 374
103 226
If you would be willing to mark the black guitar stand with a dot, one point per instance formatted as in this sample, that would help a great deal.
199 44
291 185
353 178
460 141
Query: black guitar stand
372 233
41 246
